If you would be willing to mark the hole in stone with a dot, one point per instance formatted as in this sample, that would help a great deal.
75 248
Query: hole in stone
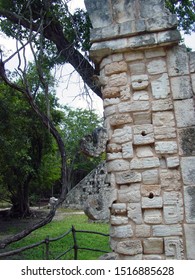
151 195
139 81
143 133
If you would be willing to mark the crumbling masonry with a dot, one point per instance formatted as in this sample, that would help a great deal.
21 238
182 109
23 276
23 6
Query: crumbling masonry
148 81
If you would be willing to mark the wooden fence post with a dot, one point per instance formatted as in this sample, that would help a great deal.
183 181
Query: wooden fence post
75 243
47 248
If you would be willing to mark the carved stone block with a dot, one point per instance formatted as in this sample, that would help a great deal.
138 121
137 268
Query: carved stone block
174 248
129 247
153 246
134 212
123 231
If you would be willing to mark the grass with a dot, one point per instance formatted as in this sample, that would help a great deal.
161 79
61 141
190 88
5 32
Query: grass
57 228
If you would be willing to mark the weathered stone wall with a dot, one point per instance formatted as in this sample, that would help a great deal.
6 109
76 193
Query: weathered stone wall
92 195
148 86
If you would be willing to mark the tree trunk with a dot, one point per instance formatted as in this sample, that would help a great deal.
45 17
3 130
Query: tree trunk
48 123
20 201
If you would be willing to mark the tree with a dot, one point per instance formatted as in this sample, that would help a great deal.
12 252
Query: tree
24 146
78 123
185 11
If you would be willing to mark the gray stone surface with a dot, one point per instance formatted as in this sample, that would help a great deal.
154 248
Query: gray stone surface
190 239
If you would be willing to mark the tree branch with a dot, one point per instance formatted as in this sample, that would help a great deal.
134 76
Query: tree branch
48 124
53 31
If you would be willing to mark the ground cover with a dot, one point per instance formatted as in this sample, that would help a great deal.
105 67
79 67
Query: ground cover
62 222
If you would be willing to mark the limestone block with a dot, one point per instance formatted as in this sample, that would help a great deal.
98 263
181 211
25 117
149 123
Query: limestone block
118 208
184 112
144 163
174 248
105 61
127 257
181 87
172 198
186 141
156 66
162 105
142 118
133 55
139 82
125 93
153 246
152 53
172 162
142 231
164 132
118 220
173 207
173 213
130 194
192 61
100 13
161 119
129 247
123 10
114 148
167 230
152 216
109 111
148 190
140 95
117 80
153 257
120 119
117 165
112 195
190 241
110 92
177 61
135 106
123 231
134 212
122 135
160 87
113 156
154 202
127 150
170 179
145 151
115 68
193 82
110 101
137 68
188 170
143 134
127 177
189 198
117 57
150 177
166 147
161 22
164 125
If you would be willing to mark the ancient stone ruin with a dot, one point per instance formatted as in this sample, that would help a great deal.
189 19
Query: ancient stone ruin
148 81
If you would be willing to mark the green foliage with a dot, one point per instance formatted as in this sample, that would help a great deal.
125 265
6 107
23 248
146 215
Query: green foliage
185 11
26 147
76 124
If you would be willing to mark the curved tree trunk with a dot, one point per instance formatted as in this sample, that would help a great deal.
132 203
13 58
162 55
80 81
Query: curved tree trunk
49 125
